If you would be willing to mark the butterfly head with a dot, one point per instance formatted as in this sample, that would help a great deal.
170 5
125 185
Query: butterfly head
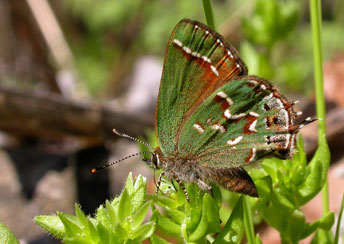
153 161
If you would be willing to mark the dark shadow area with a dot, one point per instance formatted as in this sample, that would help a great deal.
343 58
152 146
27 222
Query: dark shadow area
93 189
32 164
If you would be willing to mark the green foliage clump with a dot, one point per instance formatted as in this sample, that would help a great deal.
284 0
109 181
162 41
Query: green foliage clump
283 187
286 185
118 221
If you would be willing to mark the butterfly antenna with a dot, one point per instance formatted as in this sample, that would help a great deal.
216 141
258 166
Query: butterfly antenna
307 121
122 159
132 138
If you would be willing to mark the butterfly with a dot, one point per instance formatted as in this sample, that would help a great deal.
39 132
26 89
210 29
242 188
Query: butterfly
212 118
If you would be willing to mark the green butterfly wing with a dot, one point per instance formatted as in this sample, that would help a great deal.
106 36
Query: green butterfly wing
239 122
197 62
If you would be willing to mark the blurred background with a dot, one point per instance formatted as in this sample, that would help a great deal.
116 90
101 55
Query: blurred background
71 71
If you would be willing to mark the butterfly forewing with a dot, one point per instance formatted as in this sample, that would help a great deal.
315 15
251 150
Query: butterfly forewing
197 62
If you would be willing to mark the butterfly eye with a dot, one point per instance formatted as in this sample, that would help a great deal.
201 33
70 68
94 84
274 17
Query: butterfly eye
155 161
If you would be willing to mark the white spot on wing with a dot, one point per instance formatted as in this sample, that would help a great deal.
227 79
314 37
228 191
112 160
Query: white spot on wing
253 82
221 94
206 59
229 100
196 54
227 114
253 126
214 70
254 114
187 50
218 127
238 116
235 141
177 42
198 128
254 150
230 54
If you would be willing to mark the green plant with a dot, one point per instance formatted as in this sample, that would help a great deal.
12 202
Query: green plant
120 221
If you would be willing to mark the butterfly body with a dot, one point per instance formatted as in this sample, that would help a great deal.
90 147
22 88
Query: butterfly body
189 170
212 119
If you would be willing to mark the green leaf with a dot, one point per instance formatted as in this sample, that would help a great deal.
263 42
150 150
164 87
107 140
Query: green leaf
327 221
295 227
316 174
6 235
210 207
102 215
194 217
104 234
139 215
176 215
299 163
154 239
322 236
234 228
93 230
324 223
216 193
121 232
139 194
81 216
70 223
248 222
52 224
111 215
165 201
129 184
168 225
87 225
203 224
124 209
144 232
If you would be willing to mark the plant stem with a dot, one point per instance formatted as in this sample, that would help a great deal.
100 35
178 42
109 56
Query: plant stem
248 223
315 12
208 12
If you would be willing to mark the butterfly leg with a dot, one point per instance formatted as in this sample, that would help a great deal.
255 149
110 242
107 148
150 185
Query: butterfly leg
159 182
182 187
204 186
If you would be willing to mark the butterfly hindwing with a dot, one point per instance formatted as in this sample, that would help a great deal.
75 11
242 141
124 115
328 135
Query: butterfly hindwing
239 122
197 62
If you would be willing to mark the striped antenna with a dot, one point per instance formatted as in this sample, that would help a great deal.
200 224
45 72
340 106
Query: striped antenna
132 138
122 159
